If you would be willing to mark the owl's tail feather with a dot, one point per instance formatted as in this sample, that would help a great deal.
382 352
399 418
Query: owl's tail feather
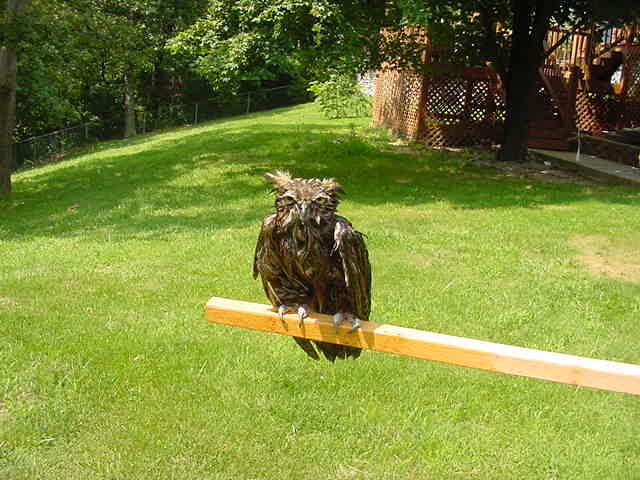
331 351
307 346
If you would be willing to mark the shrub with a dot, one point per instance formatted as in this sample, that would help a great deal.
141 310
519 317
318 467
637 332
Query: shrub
340 97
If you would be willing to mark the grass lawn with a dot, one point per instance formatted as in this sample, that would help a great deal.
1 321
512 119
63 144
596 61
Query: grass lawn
109 370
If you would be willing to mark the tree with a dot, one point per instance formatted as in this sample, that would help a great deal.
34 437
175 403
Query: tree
530 21
8 70
77 59
530 24
142 29
121 34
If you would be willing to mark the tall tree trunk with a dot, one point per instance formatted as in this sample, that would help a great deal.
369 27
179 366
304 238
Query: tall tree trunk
8 73
7 115
520 88
530 25
129 107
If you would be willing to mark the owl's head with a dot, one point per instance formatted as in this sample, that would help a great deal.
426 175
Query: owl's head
304 200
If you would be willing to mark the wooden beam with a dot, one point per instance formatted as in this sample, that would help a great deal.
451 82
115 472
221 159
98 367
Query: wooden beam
495 357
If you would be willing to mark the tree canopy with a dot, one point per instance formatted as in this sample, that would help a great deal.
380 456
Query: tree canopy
245 41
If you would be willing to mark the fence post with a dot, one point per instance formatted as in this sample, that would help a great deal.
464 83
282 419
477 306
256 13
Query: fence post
248 101
195 115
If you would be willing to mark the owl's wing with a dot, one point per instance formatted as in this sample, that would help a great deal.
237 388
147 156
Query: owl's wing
349 244
263 246
266 261
280 285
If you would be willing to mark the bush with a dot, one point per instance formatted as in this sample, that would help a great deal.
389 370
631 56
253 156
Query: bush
340 97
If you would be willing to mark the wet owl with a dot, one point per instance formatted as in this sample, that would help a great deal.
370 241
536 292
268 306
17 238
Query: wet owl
310 258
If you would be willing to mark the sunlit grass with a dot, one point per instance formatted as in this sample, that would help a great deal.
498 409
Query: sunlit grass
108 369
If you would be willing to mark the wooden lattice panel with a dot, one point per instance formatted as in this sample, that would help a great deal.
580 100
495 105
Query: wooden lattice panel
396 102
461 109
597 113
632 73
632 87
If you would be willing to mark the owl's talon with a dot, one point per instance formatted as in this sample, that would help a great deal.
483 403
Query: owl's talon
303 312
337 320
340 317
282 310
355 324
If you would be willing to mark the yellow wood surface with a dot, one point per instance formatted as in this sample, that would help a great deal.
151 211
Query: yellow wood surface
495 357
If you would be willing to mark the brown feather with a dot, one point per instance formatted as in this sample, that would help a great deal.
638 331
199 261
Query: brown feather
278 178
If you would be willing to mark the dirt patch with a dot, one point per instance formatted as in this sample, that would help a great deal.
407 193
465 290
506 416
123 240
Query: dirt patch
402 180
420 260
531 169
4 413
607 257
7 301
558 207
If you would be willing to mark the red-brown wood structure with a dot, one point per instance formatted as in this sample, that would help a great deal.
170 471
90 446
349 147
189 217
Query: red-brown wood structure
590 82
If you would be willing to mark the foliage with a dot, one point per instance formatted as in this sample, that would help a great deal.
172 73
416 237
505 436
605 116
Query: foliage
241 41
340 97
457 30
47 95
110 371
74 55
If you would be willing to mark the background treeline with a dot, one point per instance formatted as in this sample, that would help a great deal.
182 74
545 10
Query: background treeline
109 61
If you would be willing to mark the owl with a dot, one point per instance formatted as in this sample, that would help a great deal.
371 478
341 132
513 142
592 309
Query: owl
310 258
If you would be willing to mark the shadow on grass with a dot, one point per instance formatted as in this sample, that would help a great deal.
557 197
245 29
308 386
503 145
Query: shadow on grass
195 179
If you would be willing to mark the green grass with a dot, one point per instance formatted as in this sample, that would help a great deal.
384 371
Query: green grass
108 369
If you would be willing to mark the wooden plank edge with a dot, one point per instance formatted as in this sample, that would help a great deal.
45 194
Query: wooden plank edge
495 357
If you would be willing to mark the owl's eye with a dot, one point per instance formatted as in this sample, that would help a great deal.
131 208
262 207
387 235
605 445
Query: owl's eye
287 200
322 200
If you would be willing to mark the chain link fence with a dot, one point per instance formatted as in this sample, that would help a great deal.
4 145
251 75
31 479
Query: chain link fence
43 148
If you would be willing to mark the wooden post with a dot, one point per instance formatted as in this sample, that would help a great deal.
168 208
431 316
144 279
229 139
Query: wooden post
556 367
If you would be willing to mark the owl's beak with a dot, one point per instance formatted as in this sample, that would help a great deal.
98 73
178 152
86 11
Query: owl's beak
305 212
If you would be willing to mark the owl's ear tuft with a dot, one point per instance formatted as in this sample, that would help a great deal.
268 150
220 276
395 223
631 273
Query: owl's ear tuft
331 185
278 178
